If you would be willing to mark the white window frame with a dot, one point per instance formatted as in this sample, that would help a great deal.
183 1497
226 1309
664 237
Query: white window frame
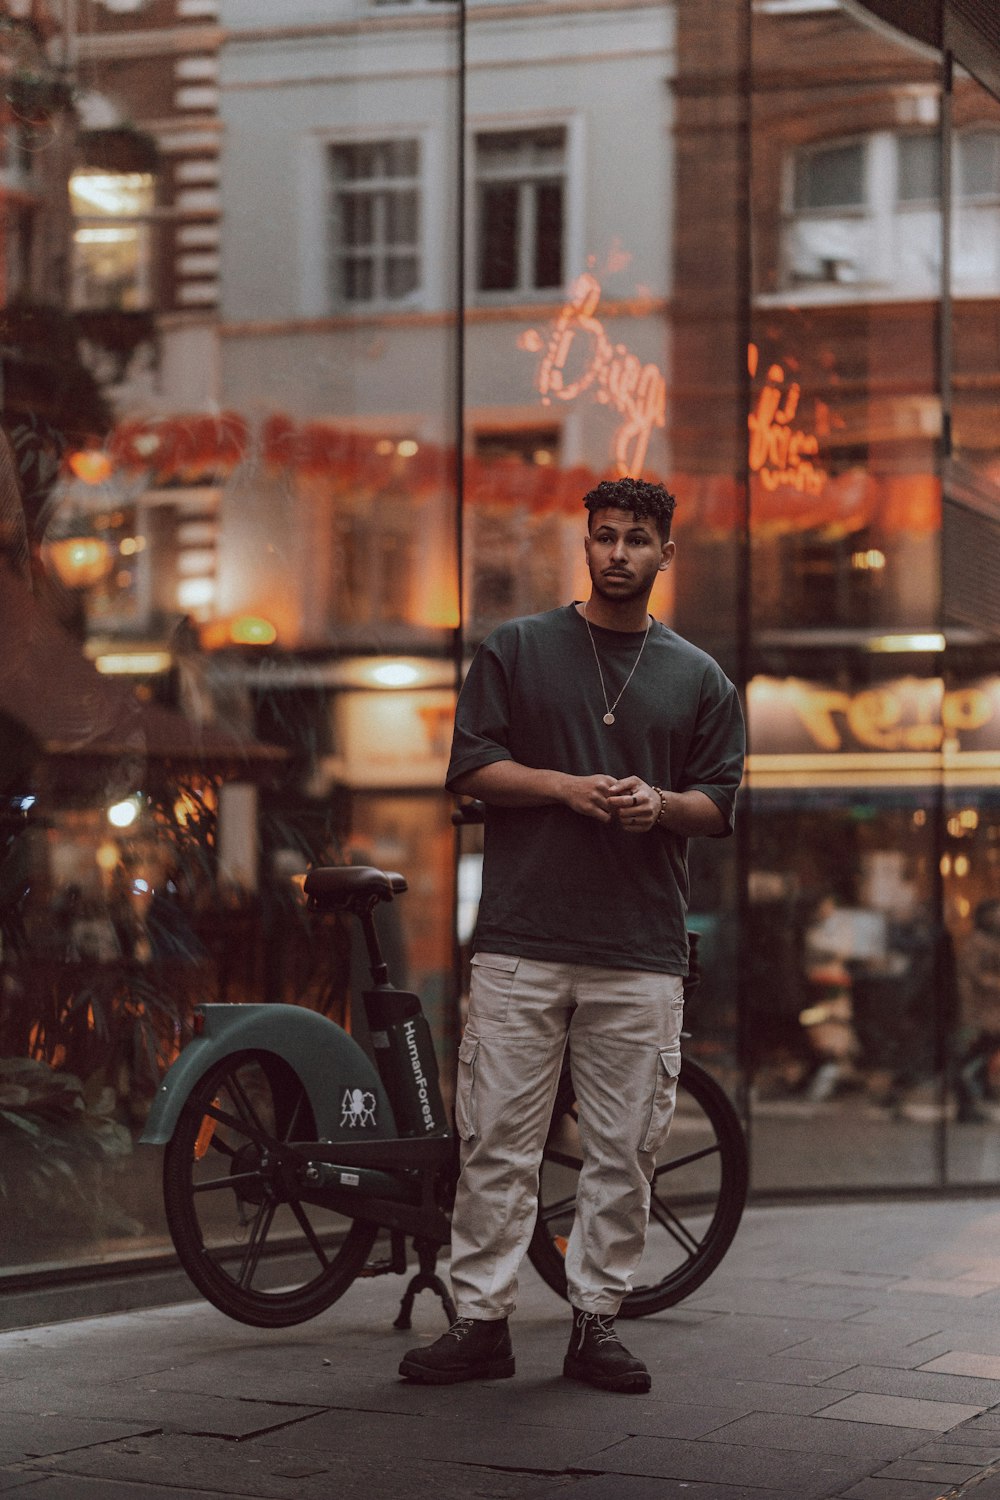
143 224
573 206
375 187
315 248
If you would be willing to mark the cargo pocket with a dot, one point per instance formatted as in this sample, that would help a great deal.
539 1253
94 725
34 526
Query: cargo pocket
492 982
661 1111
465 1117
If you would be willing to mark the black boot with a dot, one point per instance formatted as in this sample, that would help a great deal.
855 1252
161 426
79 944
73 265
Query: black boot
597 1355
472 1349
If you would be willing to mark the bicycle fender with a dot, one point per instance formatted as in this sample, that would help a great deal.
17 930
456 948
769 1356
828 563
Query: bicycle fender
348 1100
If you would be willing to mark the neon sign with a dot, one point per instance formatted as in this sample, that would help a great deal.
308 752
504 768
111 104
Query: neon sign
579 357
908 714
781 454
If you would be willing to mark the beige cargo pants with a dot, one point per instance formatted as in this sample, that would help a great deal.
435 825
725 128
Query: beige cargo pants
624 1028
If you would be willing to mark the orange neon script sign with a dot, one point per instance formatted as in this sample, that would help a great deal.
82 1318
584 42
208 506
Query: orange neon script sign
580 357
780 453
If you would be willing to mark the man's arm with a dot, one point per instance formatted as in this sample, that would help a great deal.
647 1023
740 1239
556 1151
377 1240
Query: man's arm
507 783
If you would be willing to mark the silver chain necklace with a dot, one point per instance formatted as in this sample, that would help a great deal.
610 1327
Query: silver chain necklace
609 708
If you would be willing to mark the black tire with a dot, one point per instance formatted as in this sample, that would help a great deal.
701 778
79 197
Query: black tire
254 1243
698 1193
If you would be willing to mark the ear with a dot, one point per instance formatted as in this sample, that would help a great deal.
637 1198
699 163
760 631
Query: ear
667 555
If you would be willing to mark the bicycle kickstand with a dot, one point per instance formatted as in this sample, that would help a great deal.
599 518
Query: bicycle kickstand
425 1280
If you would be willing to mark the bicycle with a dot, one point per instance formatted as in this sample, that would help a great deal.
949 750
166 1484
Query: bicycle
288 1152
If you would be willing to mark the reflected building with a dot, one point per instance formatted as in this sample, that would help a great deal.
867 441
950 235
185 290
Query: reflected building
365 295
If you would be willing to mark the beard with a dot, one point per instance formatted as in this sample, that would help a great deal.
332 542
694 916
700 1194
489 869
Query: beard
621 590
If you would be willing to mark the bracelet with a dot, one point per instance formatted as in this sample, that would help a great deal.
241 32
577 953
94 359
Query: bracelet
663 803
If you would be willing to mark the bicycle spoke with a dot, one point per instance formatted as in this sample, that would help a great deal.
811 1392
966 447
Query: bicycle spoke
259 1137
675 1164
309 1233
243 1104
215 1184
288 1134
674 1226
217 1144
258 1234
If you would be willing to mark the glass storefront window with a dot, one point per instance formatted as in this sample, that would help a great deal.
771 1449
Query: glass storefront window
287 436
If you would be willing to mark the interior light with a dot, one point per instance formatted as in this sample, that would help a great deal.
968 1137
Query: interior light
395 674
79 560
252 630
107 857
90 466
133 663
195 593
384 447
407 448
123 814
925 641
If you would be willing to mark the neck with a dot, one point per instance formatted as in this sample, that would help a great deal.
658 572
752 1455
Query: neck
629 615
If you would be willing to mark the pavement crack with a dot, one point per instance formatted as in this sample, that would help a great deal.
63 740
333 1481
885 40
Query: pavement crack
101 1443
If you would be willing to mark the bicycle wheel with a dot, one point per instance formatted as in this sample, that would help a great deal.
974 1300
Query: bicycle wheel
247 1234
698 1192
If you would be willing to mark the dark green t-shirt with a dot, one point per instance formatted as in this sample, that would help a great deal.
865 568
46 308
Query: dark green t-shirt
565 888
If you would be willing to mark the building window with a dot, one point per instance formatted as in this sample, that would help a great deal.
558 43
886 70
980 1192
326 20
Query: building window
112 238
831 177
520 197
375 221
979 164
919 169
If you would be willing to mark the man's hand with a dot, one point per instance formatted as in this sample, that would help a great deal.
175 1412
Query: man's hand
590 796
635 804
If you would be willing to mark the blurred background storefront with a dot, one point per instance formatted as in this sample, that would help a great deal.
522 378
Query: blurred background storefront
317 323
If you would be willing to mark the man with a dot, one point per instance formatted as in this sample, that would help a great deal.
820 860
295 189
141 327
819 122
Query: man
600 742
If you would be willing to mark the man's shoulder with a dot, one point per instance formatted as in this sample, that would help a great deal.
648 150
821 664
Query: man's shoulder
686 652
529 627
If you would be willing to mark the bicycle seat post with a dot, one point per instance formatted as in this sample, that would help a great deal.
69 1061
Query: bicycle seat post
364 910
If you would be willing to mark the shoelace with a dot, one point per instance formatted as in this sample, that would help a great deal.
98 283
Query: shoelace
459 1328
600 1325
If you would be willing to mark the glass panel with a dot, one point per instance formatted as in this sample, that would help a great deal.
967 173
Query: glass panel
498 238
975 263
831 178
548 235
844 933
228 561
979 164
970 846
616 355
919 167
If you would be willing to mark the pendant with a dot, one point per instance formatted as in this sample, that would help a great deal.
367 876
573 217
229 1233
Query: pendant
609 718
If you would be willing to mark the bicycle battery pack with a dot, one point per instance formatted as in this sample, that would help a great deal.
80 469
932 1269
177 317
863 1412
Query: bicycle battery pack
404 1056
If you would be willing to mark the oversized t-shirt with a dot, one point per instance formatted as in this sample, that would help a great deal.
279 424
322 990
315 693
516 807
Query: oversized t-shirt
559 886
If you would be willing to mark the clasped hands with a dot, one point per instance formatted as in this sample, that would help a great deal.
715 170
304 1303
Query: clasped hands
631 802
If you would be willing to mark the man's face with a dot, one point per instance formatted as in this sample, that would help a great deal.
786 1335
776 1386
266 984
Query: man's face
624 554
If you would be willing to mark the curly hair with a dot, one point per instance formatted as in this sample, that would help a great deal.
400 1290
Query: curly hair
647 502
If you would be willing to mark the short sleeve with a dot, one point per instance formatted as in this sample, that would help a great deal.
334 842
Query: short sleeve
482 716
714 763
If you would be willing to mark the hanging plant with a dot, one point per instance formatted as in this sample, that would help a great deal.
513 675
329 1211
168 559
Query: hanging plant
35 97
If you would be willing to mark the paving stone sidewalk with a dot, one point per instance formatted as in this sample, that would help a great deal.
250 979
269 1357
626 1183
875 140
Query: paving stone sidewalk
847 1352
